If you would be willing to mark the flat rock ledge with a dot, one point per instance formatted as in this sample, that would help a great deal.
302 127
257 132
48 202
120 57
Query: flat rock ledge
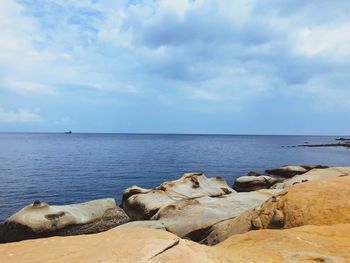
301 244
42 220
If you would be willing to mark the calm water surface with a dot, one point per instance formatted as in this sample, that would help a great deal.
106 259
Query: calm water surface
71 168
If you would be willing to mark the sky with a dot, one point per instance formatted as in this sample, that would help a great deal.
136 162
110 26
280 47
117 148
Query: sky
175 66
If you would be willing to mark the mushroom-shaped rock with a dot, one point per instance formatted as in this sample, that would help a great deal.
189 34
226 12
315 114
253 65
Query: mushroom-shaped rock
320 202
41 219
142 204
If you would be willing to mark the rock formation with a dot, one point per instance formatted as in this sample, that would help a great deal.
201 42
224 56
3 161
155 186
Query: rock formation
320 202
189 205
302 244
142 204
40 220
285 176
191 217
252 183
314 174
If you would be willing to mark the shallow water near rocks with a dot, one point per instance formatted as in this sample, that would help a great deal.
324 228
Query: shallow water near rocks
72 168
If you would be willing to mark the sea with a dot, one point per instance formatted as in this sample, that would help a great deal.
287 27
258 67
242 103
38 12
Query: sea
60 168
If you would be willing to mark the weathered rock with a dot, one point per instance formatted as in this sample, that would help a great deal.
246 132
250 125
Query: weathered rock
320 202
41 220
252 173
142 204
314 174
301 244
252 183
190 218
287 171
116 245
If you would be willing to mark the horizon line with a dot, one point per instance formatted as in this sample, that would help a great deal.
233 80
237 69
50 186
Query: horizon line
172 133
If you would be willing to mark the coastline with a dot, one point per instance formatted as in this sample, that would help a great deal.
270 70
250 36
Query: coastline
201 209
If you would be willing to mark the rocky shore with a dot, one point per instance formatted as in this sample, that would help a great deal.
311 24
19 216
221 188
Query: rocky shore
341 142
286 214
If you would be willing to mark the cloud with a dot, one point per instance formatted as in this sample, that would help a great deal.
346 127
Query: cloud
226 54
331 41
19 116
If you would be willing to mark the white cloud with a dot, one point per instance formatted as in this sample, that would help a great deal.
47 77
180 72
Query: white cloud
20 116
222 52
332 41
30 87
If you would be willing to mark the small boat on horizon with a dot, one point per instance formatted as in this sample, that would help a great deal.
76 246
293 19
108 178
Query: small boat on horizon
68 132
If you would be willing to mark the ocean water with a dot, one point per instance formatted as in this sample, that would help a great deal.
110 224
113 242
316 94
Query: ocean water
72 168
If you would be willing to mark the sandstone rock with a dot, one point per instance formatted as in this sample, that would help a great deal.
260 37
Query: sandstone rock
116 245
301 244
40 220
287 171
190 218
320 202
142 204
252 183
314 174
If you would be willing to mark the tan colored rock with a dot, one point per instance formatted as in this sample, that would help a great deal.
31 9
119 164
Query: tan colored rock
142 204
320 202
301 244
40 219
190 218
116 245
314 174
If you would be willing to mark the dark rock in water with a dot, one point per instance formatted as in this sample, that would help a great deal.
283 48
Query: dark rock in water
41 220
252 173
286 171
342 139
318 166
252 182
344 144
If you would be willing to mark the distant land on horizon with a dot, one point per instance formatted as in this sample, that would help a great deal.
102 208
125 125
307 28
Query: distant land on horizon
170 133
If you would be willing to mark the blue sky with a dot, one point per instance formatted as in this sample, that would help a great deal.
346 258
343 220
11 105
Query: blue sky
175 66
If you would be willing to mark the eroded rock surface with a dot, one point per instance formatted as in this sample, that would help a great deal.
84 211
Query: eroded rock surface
143 204
192 217
287 171
301 244
312 175
320 202
139 245
40 219
252 183
116 245
286 176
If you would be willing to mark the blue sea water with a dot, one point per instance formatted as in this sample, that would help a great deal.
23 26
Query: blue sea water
72 168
